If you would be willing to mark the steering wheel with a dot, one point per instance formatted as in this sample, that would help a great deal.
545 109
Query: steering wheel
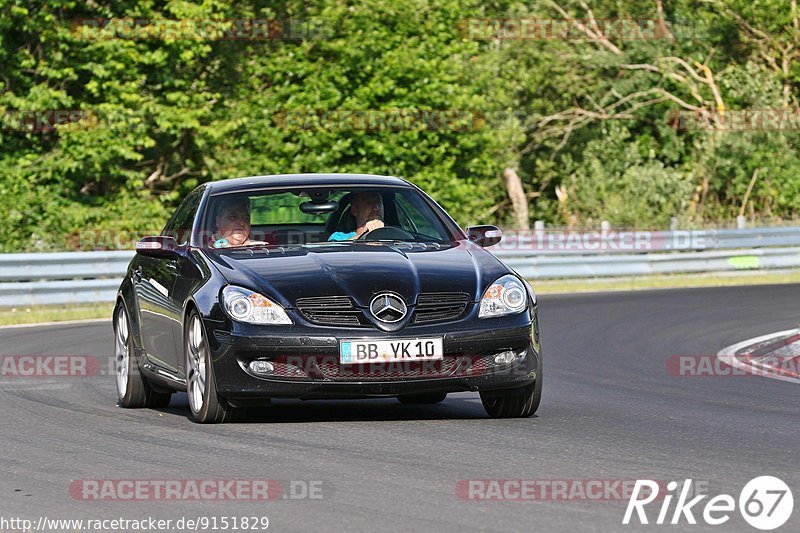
386 233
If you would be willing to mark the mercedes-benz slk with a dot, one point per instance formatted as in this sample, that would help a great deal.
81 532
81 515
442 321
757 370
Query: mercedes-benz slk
244 297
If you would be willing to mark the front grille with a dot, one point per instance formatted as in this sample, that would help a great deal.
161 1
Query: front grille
330 311
439 307
339 310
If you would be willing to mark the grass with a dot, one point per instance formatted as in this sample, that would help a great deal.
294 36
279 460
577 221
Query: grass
633 283
32 315
55 313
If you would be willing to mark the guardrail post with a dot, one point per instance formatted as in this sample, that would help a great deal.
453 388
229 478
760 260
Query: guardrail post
741 222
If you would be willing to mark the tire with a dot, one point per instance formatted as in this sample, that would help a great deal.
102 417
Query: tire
514 403
417 399
205 405
133 390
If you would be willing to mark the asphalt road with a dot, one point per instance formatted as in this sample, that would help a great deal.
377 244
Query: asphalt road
611 411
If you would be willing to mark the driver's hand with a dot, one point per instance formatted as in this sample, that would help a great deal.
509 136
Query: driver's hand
373 224
369 226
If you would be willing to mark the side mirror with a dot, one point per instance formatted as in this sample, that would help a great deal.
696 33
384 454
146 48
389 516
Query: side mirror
484 236
157 246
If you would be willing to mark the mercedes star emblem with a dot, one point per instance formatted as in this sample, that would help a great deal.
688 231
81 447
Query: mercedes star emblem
388 307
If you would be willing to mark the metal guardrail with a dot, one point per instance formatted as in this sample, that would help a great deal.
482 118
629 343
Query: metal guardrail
77 277
61 278
573 266
613 241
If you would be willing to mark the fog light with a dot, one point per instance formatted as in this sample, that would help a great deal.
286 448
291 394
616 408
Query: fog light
261 367
503 358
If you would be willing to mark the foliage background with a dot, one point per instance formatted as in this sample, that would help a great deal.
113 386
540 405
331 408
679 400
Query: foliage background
588 121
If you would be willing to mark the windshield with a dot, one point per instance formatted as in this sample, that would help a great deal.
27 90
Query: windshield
313 215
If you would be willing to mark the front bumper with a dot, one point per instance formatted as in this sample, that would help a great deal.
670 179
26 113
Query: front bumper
306 363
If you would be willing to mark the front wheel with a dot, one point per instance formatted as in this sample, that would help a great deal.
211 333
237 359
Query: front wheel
133 390
206 406
514 403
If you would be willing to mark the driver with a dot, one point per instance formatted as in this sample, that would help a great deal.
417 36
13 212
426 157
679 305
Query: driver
367 208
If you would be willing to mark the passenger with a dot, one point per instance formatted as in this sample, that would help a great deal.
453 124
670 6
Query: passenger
233 224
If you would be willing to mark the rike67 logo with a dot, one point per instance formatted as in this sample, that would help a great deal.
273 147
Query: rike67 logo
765 503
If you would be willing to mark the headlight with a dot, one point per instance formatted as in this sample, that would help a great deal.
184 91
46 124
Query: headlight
248 306
505 296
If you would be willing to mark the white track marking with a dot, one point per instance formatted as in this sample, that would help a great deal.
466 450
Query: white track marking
728 356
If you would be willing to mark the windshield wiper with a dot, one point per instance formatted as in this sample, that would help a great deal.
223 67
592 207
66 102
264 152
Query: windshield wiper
426 236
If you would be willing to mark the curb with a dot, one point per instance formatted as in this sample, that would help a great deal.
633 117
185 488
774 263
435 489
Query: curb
753 366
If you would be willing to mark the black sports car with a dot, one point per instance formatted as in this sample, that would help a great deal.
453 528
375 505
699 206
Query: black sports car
322 286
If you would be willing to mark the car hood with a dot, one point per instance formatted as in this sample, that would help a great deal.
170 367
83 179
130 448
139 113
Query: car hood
359 270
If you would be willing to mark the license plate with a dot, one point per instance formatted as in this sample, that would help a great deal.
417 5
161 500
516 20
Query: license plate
390 350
